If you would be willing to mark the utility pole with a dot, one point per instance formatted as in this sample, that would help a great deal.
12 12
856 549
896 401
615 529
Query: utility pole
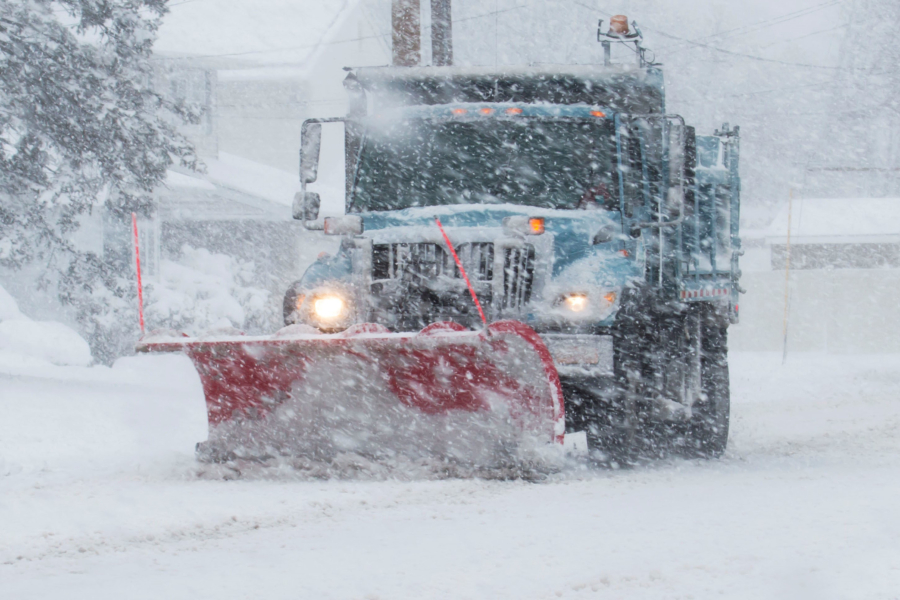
441 33
406 33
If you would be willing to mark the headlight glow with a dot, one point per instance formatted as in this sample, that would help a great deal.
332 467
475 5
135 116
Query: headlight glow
328 307
576 302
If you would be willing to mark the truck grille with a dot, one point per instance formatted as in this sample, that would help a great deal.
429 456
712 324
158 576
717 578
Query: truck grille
518 277
421 262
428 261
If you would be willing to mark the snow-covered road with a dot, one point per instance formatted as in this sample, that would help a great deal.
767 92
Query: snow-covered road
99 499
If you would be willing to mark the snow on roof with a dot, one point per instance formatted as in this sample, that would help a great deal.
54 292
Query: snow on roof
256 31
180 180
837 220
229 172
472 71
253 178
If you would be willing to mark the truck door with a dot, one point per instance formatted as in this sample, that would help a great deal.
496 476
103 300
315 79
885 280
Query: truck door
656 165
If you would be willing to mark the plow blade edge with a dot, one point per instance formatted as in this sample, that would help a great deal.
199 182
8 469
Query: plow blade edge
444 390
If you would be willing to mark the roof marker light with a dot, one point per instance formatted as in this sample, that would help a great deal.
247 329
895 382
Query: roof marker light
598 113
459 111
618 25
486 111
514 111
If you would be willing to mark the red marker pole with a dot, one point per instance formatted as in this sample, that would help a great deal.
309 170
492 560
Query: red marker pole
461 270
137 264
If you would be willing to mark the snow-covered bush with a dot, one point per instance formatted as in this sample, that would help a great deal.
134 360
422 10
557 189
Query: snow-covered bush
23 341
204 291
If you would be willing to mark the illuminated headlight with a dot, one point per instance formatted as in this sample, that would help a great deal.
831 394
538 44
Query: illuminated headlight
585 302
328 308
575 302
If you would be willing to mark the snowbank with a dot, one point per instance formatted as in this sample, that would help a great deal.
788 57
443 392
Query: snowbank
9 309
203 291
24 342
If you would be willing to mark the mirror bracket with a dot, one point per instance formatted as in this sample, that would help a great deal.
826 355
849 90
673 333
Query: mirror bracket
306 206
310 146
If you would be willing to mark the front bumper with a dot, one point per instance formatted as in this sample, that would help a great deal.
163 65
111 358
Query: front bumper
581 356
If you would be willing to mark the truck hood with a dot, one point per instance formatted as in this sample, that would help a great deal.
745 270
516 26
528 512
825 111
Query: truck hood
572 230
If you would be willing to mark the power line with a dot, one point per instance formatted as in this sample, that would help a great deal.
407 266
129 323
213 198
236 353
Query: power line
180 3
756 26
773 90
716 48
749 56
800 37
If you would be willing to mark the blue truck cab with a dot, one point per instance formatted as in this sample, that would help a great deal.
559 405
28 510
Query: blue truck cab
576 204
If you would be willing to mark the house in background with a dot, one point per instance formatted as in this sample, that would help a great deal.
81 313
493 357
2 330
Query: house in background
272 64
844 278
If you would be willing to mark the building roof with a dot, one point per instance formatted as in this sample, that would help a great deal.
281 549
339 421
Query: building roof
232 188
836 220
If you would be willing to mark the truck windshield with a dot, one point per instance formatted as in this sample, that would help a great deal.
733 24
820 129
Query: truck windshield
559 163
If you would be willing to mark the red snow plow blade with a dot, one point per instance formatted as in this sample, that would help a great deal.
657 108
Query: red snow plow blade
443 391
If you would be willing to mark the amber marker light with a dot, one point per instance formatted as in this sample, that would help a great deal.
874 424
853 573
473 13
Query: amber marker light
459 111
514 111
536 225
610 297
598 113
486 111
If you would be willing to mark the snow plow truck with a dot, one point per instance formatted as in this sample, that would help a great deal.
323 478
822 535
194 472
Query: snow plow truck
539 249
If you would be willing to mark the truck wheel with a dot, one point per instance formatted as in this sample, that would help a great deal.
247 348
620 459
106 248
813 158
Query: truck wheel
290 303
707 433
624 433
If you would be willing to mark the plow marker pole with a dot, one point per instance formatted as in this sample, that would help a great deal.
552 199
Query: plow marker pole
463 271
137 264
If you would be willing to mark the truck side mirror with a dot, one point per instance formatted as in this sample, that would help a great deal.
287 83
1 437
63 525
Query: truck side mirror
690 168
675 196
306 206
310 144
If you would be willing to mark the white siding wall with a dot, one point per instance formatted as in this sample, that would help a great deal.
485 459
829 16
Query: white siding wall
835 311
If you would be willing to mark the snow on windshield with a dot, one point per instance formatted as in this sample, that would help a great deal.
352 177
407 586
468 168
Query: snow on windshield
547 163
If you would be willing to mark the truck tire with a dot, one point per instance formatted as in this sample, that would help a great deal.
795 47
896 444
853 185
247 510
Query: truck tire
620 437
289 304
707 432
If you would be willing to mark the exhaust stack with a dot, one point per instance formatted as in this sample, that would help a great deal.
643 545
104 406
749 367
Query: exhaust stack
406 33
441 34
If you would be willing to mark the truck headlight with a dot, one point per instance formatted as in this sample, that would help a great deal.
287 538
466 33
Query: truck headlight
575 302
595 303
328 308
